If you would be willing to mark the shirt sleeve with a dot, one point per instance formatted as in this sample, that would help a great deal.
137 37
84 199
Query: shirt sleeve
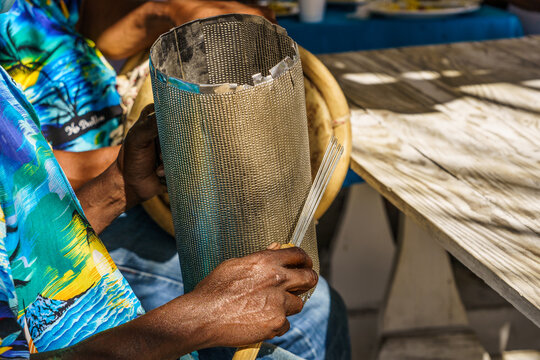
13 343
65 11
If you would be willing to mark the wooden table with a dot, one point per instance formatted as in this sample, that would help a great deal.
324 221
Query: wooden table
450 134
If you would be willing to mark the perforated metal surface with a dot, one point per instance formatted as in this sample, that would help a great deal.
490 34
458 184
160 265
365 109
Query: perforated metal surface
237 162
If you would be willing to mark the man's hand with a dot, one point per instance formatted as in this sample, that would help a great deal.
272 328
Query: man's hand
246 300
131 179
137 160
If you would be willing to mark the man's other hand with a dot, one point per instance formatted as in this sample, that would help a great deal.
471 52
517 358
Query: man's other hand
123 28
137 160
247 300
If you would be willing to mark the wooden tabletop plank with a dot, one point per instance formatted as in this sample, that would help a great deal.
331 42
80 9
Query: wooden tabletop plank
511 173
497 149
450 135
507 107
517 48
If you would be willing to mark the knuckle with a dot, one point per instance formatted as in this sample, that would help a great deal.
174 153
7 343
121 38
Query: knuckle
279 322
298 305
313 278
280 278
303 253
258 258
267 256
284 328
303 257
298 252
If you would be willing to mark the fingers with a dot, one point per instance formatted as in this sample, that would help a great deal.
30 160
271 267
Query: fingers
296 274
283 329
293 304
144 131
299 280
295 257
274 246
160 171
148 110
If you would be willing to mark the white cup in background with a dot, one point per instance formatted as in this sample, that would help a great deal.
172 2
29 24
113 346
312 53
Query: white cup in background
312 11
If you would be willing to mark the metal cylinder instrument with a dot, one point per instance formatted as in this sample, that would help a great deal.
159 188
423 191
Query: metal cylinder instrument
230 106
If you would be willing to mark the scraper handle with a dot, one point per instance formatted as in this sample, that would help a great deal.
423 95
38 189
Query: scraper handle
247 352
250 352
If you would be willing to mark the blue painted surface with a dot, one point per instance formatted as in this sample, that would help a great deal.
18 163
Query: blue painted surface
339 33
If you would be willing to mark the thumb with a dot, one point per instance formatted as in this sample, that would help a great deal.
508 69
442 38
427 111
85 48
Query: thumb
274 246
144 131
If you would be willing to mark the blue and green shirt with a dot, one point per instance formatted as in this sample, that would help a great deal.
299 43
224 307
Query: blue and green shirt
58 284
63 74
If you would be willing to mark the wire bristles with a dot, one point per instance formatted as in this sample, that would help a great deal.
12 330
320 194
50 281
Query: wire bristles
331 157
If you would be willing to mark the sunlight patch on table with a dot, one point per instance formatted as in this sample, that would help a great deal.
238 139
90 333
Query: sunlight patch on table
521 355
532 83
451 73
421 75
480 72
506 93
370 78
339 64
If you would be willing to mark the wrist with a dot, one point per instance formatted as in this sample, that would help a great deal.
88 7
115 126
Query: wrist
167 332
204 321
115 190
121 192
188 327
103 198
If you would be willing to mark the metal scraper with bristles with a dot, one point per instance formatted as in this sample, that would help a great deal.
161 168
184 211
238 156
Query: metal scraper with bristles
331 157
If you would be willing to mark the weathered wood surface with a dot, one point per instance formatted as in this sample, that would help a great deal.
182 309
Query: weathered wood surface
451 135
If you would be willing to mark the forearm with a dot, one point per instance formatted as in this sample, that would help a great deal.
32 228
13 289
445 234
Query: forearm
81 167
140 28
167 332
136 31
103 198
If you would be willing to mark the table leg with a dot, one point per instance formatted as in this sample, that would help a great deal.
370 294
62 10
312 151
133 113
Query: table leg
423 316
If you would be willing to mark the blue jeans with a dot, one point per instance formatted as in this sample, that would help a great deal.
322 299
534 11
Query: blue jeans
147 257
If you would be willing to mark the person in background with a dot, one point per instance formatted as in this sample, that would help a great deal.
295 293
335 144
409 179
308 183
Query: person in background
528 12
45 46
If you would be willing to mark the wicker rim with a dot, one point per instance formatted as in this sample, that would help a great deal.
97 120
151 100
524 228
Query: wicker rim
340 113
